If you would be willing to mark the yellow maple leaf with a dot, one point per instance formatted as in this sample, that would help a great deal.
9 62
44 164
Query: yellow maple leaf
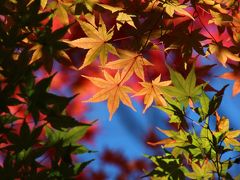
222 54
112 90
230 136
175 138
96 42
152 91
180 9
123 18
129 62
169 7
37 54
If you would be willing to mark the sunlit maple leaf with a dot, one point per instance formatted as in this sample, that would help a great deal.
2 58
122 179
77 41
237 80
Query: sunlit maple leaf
170 7
230 136
222 54
129 62
112 90
152 91
201 171
180 9
175 138
96 42
184 90
233 76
123 18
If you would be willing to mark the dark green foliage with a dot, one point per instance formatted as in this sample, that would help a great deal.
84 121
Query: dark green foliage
44 132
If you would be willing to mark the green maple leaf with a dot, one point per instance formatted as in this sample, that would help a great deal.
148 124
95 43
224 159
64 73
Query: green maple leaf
184 90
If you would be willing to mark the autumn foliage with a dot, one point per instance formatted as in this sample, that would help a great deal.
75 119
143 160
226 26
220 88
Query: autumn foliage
161 53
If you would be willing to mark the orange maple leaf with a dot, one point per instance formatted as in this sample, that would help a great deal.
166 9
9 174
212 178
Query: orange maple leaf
113 91
152 91
222 54
130 62
233 76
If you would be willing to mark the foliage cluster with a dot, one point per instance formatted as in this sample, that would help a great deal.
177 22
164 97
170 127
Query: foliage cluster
115 38
38 138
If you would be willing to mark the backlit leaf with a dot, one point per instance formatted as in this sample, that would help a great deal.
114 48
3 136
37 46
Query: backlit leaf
152 92
180 9
222 54
112 90
96 42
123 18
129 62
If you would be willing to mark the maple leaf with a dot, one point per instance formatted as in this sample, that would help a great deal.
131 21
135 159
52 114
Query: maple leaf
129 62
170 8
175 138
230 136
50 47
152 91
122 17
185 90
233 76
113 91
222 54
96 42
201 171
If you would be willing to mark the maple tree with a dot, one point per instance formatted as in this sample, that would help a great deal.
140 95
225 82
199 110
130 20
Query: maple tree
110 44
